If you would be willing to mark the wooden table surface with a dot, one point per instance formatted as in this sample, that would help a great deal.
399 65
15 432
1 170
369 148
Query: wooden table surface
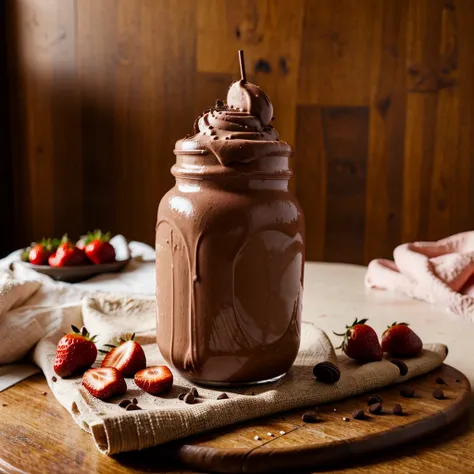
39 436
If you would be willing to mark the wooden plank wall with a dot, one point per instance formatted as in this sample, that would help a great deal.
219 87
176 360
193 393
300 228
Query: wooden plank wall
377 97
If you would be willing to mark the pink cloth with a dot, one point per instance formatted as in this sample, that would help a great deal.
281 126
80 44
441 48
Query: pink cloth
441 273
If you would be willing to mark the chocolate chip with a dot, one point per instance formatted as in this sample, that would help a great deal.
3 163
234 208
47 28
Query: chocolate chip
375 408
346 419
45 393
397 409
219 103
223 396
182 395
189 398
402 367
407 391
132 407
310 417
374 399
194 391
458 381
135 401
124 403
54 379
358 414
438 394
440 381
326 372
4 405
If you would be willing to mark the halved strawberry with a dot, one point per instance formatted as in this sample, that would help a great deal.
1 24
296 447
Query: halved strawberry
104 382
127 358
75 352
155 380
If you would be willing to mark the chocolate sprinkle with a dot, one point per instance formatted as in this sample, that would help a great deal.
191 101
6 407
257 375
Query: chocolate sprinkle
54 379
374 399
124 403
132 407
402 367
326 372
438 394
223 396
407 391
397 409
440 381
375 408
189 398
358 414
310 417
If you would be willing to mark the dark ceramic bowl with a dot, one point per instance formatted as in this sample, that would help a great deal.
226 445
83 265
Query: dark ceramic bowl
74 274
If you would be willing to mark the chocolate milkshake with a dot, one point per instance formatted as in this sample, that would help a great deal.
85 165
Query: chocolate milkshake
230 248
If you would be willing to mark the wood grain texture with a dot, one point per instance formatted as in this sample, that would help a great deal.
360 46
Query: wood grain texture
56 444
104 88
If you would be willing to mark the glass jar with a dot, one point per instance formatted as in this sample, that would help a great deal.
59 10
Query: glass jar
229 267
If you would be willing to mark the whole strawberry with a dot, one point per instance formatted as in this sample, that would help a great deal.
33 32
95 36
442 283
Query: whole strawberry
67 254
128 357
104 382
400 341
75 353
39 253
97 247
361 342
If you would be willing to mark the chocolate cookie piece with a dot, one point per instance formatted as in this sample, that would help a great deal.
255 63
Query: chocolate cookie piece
223 396
326 372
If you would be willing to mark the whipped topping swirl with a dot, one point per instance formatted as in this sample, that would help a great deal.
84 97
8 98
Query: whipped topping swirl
238 131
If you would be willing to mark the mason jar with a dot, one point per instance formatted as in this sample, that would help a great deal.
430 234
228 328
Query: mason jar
230 250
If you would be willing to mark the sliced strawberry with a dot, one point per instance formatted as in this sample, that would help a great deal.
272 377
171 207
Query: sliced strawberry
128 357
155 380
104 382
75 353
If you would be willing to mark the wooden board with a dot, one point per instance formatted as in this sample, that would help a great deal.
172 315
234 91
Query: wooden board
296 444
33 422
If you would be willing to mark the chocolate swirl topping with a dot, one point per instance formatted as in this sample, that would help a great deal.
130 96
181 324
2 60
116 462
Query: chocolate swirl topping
238 131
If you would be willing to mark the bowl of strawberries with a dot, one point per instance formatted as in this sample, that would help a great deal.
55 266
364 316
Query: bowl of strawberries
64 260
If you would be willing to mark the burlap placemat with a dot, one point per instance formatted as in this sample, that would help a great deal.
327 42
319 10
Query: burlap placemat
165 418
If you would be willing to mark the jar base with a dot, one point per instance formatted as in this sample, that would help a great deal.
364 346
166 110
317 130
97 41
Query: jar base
207 383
